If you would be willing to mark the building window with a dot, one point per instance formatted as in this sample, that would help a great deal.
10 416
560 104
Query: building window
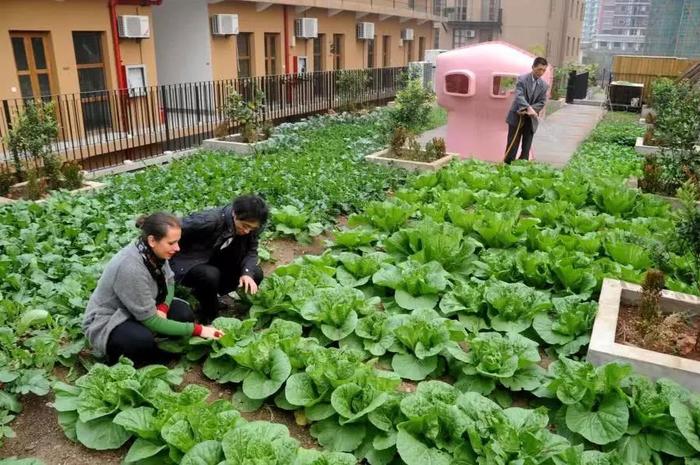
460 37
337 51
493 11
409 50
89 59
386 51
436 38
271 41
421 48
568 45
319 52
244 55
370 53
34 62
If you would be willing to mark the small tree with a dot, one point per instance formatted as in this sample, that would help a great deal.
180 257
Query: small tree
247 114
32 134
350 85
412 107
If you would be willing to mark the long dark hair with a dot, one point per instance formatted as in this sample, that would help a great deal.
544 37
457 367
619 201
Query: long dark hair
157 225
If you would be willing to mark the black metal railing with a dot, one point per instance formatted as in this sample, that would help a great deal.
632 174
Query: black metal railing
102 129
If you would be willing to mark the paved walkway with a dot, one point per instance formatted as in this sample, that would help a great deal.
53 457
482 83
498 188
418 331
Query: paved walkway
558 135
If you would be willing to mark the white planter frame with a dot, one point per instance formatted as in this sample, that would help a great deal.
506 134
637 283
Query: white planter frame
382 158
603 348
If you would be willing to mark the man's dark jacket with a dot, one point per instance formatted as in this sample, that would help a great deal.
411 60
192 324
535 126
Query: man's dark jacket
204 233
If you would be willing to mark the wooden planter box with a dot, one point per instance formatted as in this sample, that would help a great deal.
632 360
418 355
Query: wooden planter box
382 158
87 186
603 348
233 144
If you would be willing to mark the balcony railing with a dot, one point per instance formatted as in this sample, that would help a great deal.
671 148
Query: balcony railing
102 129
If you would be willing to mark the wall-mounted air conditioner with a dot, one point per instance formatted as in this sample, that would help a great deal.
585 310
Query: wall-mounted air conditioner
133 27
365 31
407 34
470 33
224 25
306 28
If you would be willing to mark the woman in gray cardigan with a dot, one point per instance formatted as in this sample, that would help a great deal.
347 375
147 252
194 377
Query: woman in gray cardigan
134 301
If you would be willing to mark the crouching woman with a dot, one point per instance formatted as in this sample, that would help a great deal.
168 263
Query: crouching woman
133 301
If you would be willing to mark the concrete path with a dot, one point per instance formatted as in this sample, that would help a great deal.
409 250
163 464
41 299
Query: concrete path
558 135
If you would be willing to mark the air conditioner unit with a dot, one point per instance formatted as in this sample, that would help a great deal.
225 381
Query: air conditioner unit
470 33
306 28
133 27
365 31
407 34
224 25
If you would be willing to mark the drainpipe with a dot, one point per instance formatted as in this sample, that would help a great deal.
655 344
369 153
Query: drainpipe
286 40
112 4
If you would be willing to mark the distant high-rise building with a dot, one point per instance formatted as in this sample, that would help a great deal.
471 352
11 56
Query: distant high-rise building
621 26
674 28
590 23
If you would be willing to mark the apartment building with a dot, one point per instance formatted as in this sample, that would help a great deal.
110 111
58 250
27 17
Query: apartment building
78 46
551 28
621 26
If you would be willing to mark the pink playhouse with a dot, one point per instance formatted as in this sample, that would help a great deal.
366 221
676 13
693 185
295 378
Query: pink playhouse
475 84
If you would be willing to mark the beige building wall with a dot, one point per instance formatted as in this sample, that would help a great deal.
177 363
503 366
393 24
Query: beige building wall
58 20
271 20
551 28
545 27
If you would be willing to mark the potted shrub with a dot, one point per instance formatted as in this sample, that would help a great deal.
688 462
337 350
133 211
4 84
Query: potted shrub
248 115
30 138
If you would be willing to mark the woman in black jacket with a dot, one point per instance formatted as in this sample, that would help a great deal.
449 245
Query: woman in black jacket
219 252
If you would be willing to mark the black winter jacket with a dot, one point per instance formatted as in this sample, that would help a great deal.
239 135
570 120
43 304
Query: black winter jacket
203 234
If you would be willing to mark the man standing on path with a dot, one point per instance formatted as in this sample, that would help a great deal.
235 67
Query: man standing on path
522 119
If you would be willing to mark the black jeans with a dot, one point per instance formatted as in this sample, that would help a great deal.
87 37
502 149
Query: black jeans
218 277
133 340
515 133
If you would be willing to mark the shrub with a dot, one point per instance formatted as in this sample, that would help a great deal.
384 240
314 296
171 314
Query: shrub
435 149
36 187
412 108
72 175
246 113
32 133
349 85
677 114
7 179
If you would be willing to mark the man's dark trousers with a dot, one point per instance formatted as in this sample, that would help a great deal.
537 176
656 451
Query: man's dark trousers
523 131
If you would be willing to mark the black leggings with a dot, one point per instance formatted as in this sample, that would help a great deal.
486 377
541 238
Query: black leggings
133 340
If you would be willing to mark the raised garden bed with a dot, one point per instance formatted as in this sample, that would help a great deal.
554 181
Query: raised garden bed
18 190
639 147
233 144
384 157
604 346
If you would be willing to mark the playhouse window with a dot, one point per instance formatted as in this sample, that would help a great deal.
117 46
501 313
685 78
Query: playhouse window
503 85
457 84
